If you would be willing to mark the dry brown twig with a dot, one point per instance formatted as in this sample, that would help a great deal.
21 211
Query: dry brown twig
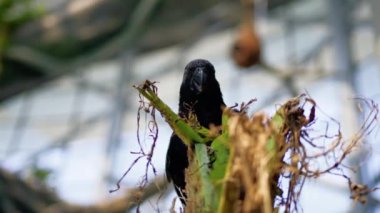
255 176
299 161
153 134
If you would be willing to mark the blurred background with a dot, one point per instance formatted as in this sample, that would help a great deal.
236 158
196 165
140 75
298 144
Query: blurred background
68 112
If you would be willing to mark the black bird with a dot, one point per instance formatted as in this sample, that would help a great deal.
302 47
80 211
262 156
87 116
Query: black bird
200 95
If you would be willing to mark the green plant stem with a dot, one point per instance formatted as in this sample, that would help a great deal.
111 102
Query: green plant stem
207 188
190 137
184 131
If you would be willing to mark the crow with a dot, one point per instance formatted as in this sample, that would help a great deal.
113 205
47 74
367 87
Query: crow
200 95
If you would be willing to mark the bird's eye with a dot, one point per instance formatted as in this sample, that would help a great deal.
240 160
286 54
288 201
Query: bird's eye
237 47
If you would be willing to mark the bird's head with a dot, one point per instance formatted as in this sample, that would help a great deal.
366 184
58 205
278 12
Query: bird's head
198 77
200 93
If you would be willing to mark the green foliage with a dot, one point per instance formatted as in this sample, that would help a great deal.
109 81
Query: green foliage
14 13
41 174
179 126
240 170
212 164
220 154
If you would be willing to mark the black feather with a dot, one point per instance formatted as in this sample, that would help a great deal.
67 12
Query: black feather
199 94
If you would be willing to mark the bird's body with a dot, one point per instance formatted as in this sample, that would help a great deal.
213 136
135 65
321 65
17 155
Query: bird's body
200 95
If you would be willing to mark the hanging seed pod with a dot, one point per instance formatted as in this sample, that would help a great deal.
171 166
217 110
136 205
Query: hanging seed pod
246 49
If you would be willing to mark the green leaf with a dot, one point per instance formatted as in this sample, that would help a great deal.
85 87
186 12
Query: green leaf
207 188
41 174
220 153
184 131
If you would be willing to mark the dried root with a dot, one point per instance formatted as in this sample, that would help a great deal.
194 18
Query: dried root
253 159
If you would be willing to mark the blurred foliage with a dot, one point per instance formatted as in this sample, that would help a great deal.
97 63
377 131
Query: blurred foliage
64 36
274 4
96 32
74 35
83 32
41 174
13 71
14 13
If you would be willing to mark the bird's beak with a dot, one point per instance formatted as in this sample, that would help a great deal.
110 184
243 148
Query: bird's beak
198 80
